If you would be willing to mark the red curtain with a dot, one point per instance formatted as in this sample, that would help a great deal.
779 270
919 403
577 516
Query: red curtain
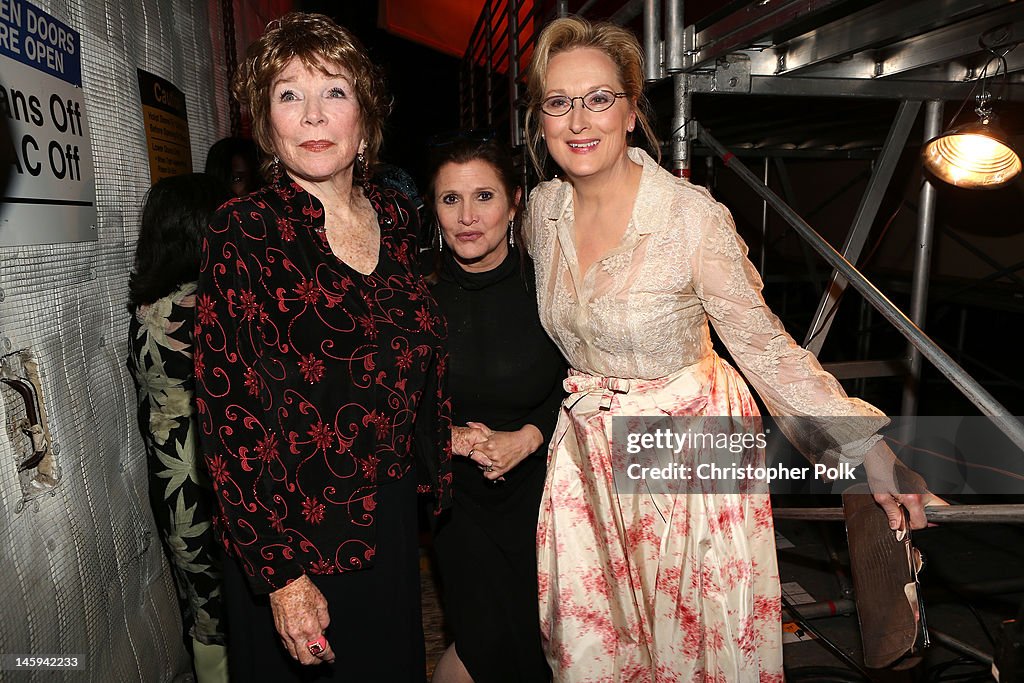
443 25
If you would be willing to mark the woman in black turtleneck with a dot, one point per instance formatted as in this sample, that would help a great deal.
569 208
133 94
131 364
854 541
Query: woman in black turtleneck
506 385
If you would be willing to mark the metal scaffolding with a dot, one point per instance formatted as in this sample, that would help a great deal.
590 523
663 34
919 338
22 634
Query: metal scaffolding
919 53
887 49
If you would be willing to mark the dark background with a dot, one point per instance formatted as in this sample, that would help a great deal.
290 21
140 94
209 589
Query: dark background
968 316
423 82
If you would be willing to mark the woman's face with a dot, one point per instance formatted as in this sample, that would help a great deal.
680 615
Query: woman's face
585 143
241 176
474 211
315 123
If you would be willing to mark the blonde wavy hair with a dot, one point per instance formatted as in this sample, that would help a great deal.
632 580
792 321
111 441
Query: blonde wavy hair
314 39
570 33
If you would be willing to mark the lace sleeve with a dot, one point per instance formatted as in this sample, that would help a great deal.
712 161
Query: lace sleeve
533 215
809 404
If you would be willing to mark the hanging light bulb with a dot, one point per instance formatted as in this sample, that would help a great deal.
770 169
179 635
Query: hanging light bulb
976 155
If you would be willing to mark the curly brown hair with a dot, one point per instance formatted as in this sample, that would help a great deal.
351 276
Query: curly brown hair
315 40
570 33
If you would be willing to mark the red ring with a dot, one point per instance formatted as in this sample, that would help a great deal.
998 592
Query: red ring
317 647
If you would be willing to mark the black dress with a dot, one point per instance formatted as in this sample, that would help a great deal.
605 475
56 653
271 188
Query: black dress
505 373
321 397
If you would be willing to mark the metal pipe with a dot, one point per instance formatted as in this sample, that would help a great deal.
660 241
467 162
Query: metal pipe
922 263
969 514
489 73
977 394
960 646
513 72
674 36
683 100
823 609
802 621
881 177
652 40
627 13
562 8
764 221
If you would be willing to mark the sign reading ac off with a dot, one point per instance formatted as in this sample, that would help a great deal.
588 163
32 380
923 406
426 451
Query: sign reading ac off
34 153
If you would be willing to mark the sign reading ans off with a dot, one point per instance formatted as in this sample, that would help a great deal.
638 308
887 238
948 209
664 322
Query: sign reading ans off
163 108
51 192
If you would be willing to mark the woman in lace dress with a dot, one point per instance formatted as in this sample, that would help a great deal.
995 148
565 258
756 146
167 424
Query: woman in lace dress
632 264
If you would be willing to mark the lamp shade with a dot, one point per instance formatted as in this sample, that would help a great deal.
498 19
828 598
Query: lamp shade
975 155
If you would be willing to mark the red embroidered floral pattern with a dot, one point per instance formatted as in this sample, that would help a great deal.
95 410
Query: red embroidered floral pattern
346 371
204 310
312 368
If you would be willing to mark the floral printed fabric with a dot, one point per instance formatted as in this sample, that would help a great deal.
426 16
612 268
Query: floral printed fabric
660 587
160 362
653 587
315 384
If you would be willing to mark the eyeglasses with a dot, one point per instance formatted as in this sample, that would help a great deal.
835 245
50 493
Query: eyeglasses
595 101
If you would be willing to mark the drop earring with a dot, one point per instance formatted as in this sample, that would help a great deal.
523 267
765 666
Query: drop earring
275 168
511 234
440 242
362 171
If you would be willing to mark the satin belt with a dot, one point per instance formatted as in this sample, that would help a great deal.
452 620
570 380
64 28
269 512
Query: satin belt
687 381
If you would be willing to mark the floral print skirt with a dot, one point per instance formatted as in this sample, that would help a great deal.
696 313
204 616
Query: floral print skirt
660 587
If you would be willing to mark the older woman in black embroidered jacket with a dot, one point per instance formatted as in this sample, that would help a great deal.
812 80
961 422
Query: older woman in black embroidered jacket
320 373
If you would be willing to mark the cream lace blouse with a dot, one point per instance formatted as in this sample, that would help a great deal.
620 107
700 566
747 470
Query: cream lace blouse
642 311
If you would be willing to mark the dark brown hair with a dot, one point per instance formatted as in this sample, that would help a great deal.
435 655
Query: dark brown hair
465 146
316 41
174 219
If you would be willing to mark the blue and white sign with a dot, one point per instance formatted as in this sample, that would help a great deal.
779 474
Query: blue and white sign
52 191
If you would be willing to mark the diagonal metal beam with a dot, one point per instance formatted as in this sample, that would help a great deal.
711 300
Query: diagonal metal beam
977 394
895 142
627 13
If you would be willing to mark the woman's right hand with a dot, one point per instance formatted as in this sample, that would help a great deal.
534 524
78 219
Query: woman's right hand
300 615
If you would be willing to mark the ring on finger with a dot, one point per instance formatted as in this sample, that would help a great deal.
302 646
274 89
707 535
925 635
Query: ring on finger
316 647
490 468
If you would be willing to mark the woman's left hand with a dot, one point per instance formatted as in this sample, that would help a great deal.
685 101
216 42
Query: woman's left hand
896 486
301 617
505 450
